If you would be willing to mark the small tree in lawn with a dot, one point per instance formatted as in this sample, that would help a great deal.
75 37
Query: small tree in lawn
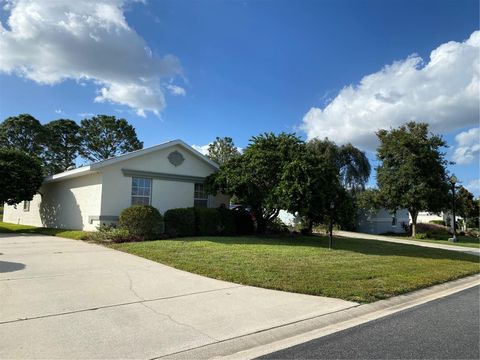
465 205
62 145
105 136
222 150
20 176
351 163
412 172
255 177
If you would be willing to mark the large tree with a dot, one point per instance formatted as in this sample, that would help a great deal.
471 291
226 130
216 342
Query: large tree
20 176
352 164
106 136
255 177
23 132
222 150
412 172
465 205
62 145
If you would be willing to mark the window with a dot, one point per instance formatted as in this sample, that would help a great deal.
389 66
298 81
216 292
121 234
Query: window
200 198
394 220
26 206
141 191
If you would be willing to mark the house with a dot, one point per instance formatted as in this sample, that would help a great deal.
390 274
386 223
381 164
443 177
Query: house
381 221
166 176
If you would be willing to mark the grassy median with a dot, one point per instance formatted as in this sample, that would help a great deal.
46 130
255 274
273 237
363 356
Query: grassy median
357 269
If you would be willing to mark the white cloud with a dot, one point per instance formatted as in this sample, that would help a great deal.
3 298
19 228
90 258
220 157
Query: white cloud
474 187
52 41
59 112
444 93
468 146
202 149
176 90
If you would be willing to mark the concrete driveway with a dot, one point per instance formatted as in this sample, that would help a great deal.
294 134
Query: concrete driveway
62 298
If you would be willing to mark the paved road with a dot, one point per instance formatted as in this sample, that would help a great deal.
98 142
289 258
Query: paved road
446 328
62 298
351 234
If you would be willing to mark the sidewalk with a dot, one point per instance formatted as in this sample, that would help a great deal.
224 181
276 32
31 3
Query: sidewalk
350 234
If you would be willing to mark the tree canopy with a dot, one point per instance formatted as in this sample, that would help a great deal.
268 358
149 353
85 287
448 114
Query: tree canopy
222 150
106 136
466 206
20 176
412 172
352 164
255 177
62 145
24 133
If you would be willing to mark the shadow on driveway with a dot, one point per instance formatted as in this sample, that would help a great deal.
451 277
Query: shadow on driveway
7 266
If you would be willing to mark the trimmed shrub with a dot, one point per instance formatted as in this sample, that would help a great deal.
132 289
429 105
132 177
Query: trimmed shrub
227 221
243 222
421 236
143 221
207 221
180 222
432 229
108 233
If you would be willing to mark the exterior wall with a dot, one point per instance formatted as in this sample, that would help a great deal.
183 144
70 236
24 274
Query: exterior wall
426 217
166 194
381 221
87 201
64 204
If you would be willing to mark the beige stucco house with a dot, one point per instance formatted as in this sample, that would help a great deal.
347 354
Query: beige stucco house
166 176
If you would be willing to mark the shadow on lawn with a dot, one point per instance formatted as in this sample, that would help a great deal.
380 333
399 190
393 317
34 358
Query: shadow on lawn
363 246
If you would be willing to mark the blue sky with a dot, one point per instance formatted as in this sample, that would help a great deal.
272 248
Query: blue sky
240 68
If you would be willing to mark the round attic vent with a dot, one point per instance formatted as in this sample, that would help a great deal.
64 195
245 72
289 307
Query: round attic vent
176 158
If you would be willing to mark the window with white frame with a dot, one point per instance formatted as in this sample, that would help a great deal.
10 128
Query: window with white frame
200 197
141 191
26 206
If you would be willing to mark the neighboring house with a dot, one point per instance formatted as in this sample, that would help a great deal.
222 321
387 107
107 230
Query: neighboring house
381 221
425 217
166 176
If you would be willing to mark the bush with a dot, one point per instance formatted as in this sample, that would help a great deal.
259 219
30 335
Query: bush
227 221
277 226
243 222
180 222
432 229
207 221
421 236
143 221
437 222
108 233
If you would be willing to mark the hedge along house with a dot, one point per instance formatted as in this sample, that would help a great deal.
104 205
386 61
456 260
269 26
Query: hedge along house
166 176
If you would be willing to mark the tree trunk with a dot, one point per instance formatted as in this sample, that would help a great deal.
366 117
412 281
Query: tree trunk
414 215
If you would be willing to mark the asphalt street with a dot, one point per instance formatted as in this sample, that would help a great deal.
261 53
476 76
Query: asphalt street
447 328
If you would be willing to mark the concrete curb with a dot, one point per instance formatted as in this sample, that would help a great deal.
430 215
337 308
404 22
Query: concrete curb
269 340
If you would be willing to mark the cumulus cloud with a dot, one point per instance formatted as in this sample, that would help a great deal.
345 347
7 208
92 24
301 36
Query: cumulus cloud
202 149
52 41
443 92
176 90
468 146
474 187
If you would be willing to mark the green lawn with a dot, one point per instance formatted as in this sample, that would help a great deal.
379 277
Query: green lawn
465 241
26 229
359 270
